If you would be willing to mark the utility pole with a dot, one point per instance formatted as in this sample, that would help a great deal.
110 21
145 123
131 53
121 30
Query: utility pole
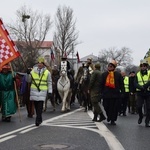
72 56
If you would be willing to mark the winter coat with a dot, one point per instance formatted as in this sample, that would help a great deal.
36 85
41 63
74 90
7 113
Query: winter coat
35 94
116 92
7 94
94 85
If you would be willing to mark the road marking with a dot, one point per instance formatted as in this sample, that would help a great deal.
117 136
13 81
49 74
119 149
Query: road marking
18 130
110 138
7 138
27 130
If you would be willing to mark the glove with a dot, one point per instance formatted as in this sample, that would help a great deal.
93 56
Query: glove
28 71
49 95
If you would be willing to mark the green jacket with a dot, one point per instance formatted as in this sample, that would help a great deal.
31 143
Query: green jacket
94 85
7 94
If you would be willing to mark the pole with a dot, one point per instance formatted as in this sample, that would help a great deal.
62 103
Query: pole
15 87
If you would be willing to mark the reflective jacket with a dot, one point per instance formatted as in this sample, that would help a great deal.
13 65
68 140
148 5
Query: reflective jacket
44 82
126 83
143 79
41 81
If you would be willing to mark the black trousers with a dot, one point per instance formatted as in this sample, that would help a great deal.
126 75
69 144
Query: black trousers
111 108
141 100
38 105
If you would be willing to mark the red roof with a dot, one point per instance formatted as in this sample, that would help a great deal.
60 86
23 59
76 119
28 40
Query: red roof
45 44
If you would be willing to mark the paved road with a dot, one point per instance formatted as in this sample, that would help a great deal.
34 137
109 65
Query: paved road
73 131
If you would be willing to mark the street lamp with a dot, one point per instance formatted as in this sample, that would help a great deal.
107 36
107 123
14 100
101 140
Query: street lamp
24 17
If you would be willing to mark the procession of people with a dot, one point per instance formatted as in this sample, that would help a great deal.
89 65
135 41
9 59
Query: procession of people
115 91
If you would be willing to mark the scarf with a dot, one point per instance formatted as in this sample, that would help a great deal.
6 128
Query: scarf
110 82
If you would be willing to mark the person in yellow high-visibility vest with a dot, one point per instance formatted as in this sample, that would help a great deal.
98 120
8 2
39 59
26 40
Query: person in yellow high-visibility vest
41 84
141 81
125 98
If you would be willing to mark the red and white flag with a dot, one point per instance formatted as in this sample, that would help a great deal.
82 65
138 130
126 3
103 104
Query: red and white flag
52 55
8 50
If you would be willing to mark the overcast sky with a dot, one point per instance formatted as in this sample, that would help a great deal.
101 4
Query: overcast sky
102 24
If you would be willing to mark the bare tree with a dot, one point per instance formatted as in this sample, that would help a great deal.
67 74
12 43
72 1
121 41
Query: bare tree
65 36
30 30
122 56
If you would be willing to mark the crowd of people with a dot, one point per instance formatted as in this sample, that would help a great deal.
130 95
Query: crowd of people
116 91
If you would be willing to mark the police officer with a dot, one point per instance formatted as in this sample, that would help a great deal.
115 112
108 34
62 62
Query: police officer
141 81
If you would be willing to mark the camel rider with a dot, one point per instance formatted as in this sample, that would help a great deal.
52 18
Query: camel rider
90 65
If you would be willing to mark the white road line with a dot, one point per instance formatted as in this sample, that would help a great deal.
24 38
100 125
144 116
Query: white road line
112 141
110 138
12 132
27 130
7 138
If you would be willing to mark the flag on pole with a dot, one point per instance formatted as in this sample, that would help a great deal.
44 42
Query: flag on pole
65 54
78 58
52 55
8 50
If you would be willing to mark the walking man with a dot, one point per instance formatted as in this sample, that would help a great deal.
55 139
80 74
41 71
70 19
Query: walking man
41 84
95 93
142 80
112 88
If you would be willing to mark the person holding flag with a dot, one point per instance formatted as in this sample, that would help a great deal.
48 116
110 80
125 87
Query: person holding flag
8 87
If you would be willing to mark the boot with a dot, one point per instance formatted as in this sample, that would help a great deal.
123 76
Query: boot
95 117
140 119
102 117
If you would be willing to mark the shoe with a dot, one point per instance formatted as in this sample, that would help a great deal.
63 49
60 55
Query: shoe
95 117
56 103
147 125
102 117
3 118
8 119
140 120
124 114
120 113
113 123
38 123
108 120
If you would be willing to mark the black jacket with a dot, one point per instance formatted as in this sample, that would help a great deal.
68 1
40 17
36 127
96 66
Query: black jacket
116 92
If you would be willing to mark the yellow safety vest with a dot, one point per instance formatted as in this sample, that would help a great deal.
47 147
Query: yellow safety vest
41 81
126 84
142 79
